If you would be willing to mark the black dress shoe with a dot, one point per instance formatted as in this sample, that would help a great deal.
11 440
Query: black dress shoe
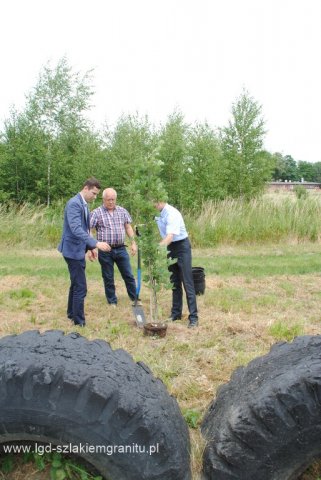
173 319
192 324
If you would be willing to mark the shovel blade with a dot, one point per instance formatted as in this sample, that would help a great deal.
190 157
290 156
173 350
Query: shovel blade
139 316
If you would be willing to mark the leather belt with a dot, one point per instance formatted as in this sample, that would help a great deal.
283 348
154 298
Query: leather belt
180 241
117 246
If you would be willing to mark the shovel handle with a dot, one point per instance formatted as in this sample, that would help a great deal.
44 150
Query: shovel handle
139 271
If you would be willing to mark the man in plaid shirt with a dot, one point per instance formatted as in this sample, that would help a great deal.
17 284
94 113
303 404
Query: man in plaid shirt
112 223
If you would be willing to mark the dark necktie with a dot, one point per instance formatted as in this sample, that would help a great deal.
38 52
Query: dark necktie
87 215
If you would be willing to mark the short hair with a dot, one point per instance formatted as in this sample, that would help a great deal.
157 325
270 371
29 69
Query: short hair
91 183
111 189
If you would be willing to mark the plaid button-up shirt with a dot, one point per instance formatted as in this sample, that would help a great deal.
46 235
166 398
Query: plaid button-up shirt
110 227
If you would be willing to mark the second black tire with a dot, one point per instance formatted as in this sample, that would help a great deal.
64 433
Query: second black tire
266 422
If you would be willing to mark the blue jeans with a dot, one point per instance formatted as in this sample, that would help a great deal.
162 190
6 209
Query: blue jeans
77 290
121 258
181 274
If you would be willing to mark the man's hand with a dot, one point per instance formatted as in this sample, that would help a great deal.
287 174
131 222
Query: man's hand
92 255
167 240
103 246
133 248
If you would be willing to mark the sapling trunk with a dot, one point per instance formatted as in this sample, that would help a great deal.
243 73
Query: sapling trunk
144 190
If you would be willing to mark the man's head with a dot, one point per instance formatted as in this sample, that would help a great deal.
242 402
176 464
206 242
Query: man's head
109 198
90 189
159 205
160 200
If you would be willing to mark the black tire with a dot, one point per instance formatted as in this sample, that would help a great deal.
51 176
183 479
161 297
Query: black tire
62 390
266 422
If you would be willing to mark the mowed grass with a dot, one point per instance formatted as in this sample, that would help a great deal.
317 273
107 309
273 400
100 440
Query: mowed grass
254 297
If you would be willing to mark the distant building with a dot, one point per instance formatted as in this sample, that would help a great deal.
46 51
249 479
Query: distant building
273 186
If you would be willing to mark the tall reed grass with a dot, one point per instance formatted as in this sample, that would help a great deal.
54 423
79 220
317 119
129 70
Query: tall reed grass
267 219
30 226
264 220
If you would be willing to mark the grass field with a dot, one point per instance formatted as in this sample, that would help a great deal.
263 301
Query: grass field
255 296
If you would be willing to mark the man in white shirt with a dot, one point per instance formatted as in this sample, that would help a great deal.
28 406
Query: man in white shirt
175 237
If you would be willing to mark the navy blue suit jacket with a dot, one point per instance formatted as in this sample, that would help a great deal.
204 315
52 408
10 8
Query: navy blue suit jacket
76 239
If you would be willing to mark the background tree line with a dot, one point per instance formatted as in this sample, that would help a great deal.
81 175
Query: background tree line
50 147
287 169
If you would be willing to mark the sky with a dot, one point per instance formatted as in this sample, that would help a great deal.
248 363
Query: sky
157 56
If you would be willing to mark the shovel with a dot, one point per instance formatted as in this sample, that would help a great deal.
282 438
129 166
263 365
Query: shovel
138 309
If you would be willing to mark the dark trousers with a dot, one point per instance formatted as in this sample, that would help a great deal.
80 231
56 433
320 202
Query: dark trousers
77 290
181 274
121 258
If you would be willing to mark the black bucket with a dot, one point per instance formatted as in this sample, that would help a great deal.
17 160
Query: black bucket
199 280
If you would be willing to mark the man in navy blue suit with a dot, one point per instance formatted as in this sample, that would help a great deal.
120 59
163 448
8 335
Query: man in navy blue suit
75 242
